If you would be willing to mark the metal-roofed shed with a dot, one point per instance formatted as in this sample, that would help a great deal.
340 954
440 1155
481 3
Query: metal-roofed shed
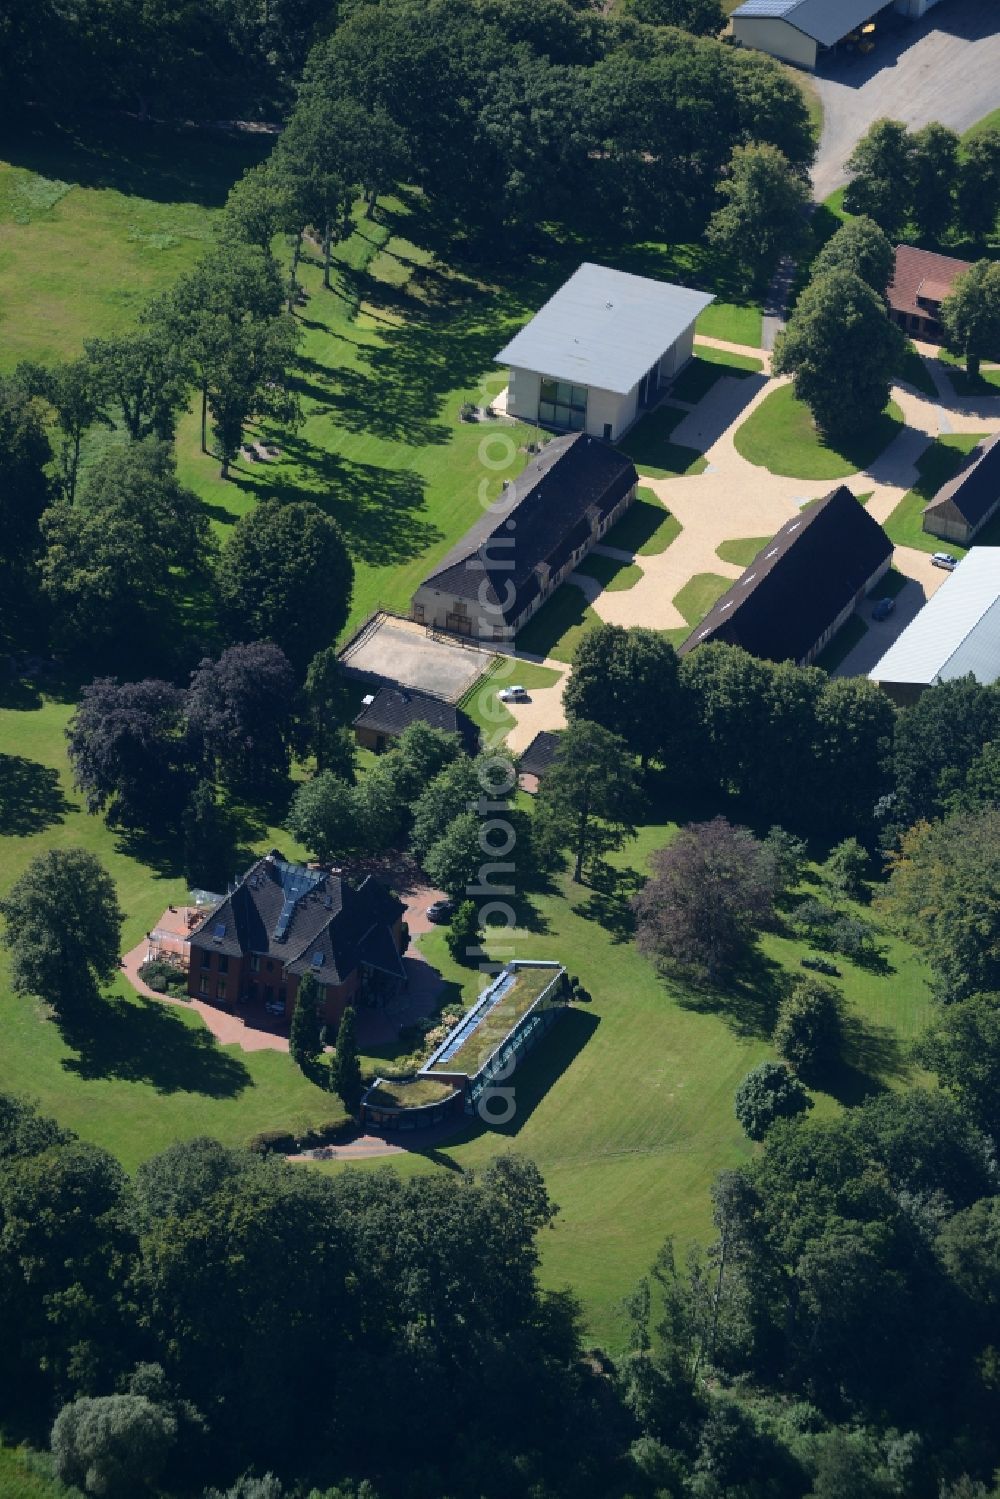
796 30
599 351
956 633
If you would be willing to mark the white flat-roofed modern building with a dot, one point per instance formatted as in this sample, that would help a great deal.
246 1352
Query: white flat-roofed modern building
599 352
956 633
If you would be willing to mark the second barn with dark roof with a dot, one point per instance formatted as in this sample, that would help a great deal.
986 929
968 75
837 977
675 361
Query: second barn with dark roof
803 585
524 545
963 506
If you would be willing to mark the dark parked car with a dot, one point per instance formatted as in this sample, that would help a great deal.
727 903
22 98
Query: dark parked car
820 965
883 608
440 910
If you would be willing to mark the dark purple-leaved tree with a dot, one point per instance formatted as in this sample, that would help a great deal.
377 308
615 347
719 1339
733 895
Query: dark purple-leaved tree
240 710
712 890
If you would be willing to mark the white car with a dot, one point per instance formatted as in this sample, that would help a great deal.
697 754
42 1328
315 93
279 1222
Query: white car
515 694
944 559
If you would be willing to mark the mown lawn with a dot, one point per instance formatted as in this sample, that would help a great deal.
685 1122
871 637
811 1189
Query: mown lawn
95 221
780 436
742 550
627 1104
646 528
21 1476
699 594
650 447
612 574
559 625
143 1073
939 463
708 366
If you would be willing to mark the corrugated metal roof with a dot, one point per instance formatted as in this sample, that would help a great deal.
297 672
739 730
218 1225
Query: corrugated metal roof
956 632
765 9
826 21
604 328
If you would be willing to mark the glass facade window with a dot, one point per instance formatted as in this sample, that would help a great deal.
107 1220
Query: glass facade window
562 404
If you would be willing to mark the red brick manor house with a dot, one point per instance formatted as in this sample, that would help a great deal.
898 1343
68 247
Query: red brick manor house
284 920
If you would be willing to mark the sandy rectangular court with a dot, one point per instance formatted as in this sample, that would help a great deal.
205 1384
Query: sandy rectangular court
401 651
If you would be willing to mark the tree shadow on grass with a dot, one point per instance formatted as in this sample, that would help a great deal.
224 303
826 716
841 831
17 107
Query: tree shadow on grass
166 163
872 1058
144 1041
609 903
747 1001
31 797
534 1076
377 509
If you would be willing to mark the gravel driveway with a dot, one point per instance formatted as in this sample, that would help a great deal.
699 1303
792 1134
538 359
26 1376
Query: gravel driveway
945 67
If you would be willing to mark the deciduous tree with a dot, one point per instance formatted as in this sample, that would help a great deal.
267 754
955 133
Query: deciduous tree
768 1093
63 928
711 892
129 751
971 315
764 213
881 168
240 709
146 376
979 184
934 164
208 839
962 1045
465 935
809 1029
327 816
860 246
113 1445
285 575
841 350
702 17
592 791
626 681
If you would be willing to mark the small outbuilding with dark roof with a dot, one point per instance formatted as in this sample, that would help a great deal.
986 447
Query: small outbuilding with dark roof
920 283
284 920
392 709
963 506
536 759
520 550
803 585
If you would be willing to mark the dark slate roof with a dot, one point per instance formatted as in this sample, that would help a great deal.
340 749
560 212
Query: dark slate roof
540 519
975 490
539 754
799 582
309 920
395 708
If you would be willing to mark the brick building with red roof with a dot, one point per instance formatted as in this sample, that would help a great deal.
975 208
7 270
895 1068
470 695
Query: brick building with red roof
920 282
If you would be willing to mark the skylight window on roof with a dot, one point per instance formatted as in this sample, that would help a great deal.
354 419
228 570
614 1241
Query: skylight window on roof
219 931
794 527
727 605
772 553
749 580
317 959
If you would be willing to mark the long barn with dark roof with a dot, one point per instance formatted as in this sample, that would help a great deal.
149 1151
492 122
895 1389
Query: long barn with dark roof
285 920
803 585
524 545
